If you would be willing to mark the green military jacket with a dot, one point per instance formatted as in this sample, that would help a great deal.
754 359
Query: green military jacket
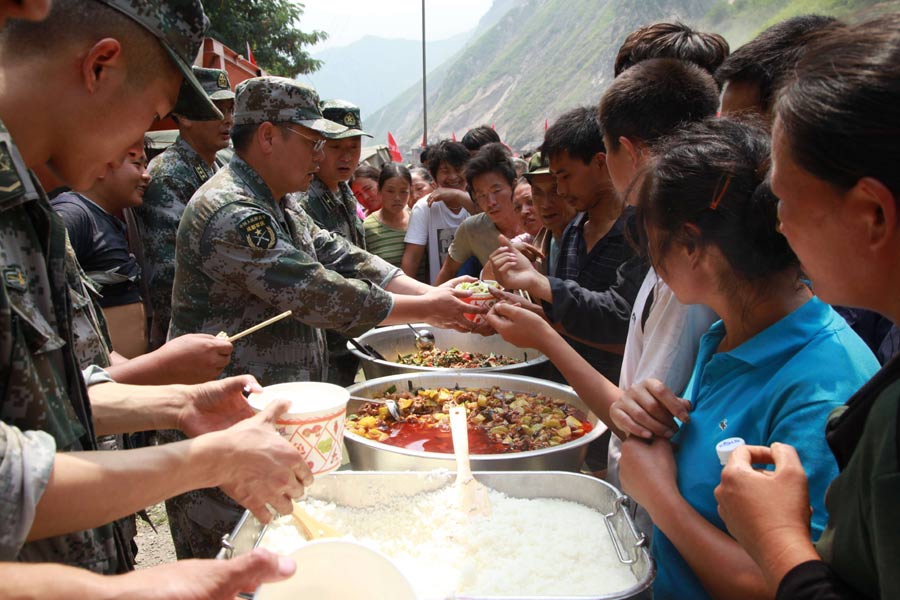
40 379
334 212
243 256
174 177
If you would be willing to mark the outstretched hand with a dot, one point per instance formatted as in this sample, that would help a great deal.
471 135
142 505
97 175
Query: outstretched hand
521 327
217 405
512 269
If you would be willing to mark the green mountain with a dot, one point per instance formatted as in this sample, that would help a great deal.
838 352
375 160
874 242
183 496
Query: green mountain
546 56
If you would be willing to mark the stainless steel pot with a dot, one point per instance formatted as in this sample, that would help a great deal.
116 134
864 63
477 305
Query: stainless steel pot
398 339
361 489
369 455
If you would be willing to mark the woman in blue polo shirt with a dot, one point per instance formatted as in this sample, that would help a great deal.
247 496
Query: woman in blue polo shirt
770 371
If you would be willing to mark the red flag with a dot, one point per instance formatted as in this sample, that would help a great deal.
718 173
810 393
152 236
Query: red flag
492 126
394 148
453 137
250 55
424 141
546 125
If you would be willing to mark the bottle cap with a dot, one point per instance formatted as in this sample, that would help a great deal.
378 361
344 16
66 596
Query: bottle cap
726 447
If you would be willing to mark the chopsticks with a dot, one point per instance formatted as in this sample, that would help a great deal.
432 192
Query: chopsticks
253 329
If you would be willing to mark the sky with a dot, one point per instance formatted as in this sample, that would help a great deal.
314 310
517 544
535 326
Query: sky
349 20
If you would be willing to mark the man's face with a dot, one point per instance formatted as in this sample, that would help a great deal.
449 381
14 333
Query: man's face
341 158
554 212
124 186
295 154
523 204
213 136
450 176
582 185
493 195
100 133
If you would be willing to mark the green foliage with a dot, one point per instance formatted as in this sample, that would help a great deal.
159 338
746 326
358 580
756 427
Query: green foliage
270 28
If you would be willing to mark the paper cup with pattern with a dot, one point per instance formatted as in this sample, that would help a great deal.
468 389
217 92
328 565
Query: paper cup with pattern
480 297
314 424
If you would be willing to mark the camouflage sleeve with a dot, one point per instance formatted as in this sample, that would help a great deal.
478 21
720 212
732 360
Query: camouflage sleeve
26 461
242 245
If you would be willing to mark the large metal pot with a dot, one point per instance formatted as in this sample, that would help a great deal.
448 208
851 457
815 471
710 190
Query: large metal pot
398 339
368 489
369 455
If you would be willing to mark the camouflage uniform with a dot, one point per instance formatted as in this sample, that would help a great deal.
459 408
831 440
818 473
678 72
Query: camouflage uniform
337 214
243 256
41 387
174 177
40 375
26 461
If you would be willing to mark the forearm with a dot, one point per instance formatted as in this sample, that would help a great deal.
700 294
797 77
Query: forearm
125 480
598 392
123 408
539 289
140 370
412 259
406 309
50 581
405 285
732 574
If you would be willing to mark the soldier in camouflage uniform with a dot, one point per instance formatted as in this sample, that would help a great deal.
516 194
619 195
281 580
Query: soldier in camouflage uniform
247 251
174 177
331 204
40 380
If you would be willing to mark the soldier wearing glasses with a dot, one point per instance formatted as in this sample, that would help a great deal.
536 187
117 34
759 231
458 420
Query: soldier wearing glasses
247 251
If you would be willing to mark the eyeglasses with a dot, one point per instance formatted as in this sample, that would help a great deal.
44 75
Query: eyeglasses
317 144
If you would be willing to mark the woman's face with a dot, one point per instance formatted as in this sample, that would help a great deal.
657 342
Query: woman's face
394 195
420 188
493 195
810 212
366 192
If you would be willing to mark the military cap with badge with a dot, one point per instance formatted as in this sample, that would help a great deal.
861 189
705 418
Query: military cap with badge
281 100
346 114
216 86
537 165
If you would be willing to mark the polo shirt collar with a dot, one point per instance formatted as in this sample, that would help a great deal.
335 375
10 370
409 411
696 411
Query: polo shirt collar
783 338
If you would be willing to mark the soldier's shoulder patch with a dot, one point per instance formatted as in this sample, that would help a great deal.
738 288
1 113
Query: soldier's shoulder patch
10 181
201 172
258 232
14 278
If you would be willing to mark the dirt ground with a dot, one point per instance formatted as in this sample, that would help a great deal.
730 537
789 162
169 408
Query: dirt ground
154 548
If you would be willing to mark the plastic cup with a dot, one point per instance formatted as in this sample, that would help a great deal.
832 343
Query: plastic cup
486 300
314 424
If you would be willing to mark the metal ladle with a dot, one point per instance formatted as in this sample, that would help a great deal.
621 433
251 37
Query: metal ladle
424 338
392 405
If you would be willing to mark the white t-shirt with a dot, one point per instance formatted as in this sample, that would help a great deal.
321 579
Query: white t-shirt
435 227
665 348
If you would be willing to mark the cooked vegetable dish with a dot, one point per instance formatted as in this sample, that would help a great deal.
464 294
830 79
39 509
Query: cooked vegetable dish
454 359
499 421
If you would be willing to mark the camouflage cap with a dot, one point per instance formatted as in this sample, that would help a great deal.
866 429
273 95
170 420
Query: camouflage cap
179 25
281 100
537 166
216 85
343 113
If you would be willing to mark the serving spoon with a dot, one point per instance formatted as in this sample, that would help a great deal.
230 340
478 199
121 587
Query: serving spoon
473 496
424 338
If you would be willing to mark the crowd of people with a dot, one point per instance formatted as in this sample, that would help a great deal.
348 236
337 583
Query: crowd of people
708 252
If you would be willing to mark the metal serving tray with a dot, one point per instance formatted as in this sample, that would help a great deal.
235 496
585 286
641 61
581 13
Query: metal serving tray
360 488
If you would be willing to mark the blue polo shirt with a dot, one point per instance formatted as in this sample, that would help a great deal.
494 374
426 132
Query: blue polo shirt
778 386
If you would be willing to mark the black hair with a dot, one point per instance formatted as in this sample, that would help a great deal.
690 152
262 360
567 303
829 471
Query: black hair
707 185
452 153
72 21
479 136
840 111
424 154
365 171
671 40
241 136
493 158
769 57
577 132
654 98
391 170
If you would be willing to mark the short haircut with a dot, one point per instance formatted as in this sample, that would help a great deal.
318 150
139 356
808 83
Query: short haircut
655 98
577 132
366 171
452 153
423 173
671 40
81 21
391 170
493 158
769 57
479 136
242 135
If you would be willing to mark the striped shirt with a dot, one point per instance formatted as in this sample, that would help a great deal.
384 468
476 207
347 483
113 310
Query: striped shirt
384 241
